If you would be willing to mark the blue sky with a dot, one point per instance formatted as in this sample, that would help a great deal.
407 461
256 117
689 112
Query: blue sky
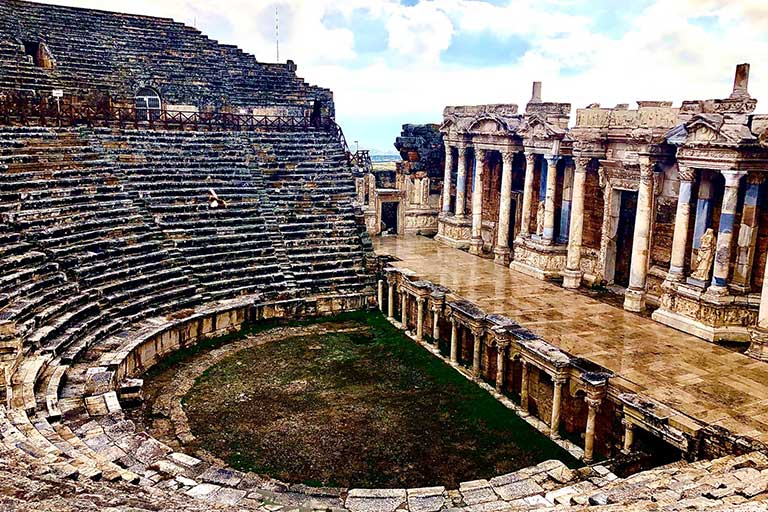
391 62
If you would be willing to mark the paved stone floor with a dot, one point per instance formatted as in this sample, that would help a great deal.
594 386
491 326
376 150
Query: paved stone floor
700 379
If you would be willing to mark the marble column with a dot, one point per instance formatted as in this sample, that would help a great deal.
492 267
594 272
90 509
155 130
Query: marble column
565 205
461 182
501 359
524 389
589 437
572 274
634 298
758 347
391 301
557 398
447 178
530 162
501 253
419 318
454 341
436 324
476 243
404 309
629 437
381 294
682 223
747 239
477 334
725 233
703 212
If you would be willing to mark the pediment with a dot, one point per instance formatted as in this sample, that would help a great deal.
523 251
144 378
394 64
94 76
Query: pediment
706 129
486 125
537 128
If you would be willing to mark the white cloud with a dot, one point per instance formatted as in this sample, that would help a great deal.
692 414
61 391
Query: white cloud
663 52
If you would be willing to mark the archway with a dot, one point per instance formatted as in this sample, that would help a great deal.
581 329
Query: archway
148 104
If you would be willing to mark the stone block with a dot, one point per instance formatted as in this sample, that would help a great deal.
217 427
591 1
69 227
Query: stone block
221 476
375 500
519 489
477 491
426 499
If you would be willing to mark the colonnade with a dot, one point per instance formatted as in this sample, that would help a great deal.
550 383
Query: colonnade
484 337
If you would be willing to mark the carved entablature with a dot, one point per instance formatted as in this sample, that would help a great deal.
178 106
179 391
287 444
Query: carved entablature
744 105
650 114
499 120
548 109
619 175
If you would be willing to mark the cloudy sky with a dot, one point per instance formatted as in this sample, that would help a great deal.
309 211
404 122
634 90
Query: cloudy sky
391 62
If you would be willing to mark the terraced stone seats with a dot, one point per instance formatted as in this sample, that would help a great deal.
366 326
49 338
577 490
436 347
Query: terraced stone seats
72 209
232 248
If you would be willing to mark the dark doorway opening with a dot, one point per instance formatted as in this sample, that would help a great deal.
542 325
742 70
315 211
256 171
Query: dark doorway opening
389 212
41 55
625 236
512 221
315 118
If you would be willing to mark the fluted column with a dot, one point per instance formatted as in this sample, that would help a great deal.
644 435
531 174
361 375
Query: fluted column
629 437
461 182
477 334
524 389
476 243
419 318
391 301
447 178
381 294
634 298
501 359
565 205
572 274
404 308
747 239
436 324
725 233
530 161
548 233
557 398
589 436
682 223
454 340
759 334
501 251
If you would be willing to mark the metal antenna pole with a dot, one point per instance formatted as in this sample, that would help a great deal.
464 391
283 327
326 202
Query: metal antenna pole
277 35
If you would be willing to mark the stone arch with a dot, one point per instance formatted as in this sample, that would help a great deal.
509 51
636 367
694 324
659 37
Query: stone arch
148 104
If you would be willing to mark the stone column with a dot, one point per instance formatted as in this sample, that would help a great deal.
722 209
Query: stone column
572 274
725 233
524 389
745 245
565 206
461 181
454 340
557 398
476 243
629 436
589 438
703 213
759 335
381 295
502 252
501 359
525 228
447 178
391 301
436 324
477 348
634 298
548 233
419 318
682 222
404 308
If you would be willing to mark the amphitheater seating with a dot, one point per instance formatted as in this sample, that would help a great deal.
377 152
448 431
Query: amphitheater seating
107 52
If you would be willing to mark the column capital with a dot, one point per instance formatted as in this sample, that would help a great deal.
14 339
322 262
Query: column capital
530 158
582 162
462 148
646 170
420 300
559 379
732 177
480 153
627 424
685 173
552 159
508 157
756 178
593 403
476 330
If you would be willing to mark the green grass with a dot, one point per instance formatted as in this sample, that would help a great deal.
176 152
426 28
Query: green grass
368 408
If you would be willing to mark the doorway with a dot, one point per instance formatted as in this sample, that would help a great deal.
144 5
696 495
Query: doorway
389 215
625 233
